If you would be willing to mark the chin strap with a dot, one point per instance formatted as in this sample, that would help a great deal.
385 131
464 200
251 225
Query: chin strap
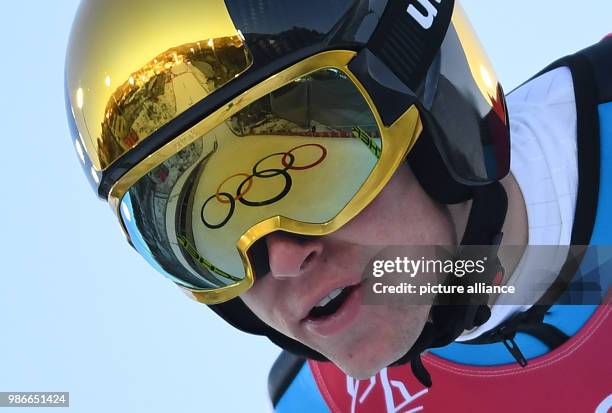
452 314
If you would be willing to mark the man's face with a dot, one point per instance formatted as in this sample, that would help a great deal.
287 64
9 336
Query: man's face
361 339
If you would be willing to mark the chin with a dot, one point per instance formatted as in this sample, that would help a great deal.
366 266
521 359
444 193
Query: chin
359 373
363 363
362 368
368 352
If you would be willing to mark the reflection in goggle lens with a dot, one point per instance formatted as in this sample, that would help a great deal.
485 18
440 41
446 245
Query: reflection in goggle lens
302 152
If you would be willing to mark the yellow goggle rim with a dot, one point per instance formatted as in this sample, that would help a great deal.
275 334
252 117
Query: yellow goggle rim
397 140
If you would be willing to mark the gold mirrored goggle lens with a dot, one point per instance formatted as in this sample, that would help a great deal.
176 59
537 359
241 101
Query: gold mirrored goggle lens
125 83
301 152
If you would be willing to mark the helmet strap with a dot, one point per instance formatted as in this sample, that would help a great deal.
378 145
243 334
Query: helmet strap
453 314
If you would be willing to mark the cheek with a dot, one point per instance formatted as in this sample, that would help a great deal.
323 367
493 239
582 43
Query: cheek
258 299
267 299
402 214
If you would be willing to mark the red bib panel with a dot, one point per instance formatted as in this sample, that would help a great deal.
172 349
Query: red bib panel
576 377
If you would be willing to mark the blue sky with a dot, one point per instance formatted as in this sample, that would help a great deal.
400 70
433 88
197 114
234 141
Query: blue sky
82 312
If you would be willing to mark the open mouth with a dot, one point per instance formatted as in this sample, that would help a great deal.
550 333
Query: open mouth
335 312
331 303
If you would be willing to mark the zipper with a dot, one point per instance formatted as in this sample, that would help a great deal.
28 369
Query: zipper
513 348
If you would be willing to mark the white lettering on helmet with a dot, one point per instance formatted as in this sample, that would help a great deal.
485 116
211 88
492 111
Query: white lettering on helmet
426 21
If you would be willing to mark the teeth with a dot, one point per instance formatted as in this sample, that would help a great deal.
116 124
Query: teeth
325 300
336 293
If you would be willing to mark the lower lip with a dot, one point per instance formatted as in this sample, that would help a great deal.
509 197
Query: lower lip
341 319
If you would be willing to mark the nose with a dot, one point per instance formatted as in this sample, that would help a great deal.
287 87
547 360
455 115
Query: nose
290 255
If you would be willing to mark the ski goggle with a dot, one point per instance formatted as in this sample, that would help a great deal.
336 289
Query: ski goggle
302 152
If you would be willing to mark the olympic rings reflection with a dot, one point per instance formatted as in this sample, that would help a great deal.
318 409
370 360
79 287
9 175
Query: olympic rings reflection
288 163
232 203
311 165
239 195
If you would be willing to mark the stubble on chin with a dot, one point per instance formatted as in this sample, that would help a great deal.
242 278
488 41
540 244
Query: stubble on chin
387 336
